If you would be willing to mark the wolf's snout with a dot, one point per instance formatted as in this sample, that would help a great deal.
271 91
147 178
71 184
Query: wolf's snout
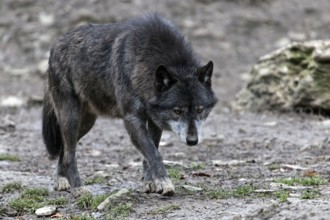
191 141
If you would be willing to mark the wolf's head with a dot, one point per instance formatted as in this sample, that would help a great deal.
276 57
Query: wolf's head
183 100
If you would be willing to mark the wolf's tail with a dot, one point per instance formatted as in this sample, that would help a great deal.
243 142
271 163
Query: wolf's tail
51 131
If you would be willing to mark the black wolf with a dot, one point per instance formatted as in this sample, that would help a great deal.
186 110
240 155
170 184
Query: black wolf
144 71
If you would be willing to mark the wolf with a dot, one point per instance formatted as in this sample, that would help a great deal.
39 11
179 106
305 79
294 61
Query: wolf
142 70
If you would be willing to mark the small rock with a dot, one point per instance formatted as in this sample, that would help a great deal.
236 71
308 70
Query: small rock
12 101
7 125
292 167
120 193
192 188
227 163
46 211
46 19
264 191
325 123
42 66
17 71
135 164
95 153
169 164
309 173
112 165
270 124
165 144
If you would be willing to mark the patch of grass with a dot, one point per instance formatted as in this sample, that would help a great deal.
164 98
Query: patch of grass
57 201
218 194
174 174
2 211
9 157
88 201
85 201
22 205
198 166
304 181
282 196
243 191
311 194
83 217
239 192
11 187
95 180
35 193
30 200
165 209
120 211
97 200
274 166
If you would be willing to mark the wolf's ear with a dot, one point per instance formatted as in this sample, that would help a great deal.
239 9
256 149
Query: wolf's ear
164 79
204 73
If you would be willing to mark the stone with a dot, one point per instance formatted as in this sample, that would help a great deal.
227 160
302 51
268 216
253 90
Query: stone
293 78
46 211
192 188
12 101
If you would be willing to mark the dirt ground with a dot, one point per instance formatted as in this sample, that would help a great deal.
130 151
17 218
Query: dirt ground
239 148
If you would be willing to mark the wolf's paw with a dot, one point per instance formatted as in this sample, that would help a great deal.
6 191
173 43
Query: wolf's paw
61 183
149 187
162 186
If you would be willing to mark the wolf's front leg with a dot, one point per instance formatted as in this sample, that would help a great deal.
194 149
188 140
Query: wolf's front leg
155 175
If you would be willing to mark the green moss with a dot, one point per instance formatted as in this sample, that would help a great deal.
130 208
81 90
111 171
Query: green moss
120 211
243 191
311 194
9 157
174 174
22 205
239 192
274 166
303 181
57 201
282 196
29 200
85 201
198 166
83 217
11 187
165 209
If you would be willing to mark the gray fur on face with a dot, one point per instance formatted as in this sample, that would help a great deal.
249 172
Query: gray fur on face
199 126
180 128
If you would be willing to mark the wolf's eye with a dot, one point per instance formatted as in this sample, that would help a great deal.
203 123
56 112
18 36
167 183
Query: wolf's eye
199 109
177 111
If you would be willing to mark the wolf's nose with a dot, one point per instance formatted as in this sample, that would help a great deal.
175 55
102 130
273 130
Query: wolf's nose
191 141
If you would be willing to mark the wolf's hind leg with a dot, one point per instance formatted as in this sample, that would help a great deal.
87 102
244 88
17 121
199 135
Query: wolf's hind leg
68 110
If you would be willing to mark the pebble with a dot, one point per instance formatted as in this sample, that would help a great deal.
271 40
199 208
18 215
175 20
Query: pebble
12 101
192 188
169 163
46 211
227 163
